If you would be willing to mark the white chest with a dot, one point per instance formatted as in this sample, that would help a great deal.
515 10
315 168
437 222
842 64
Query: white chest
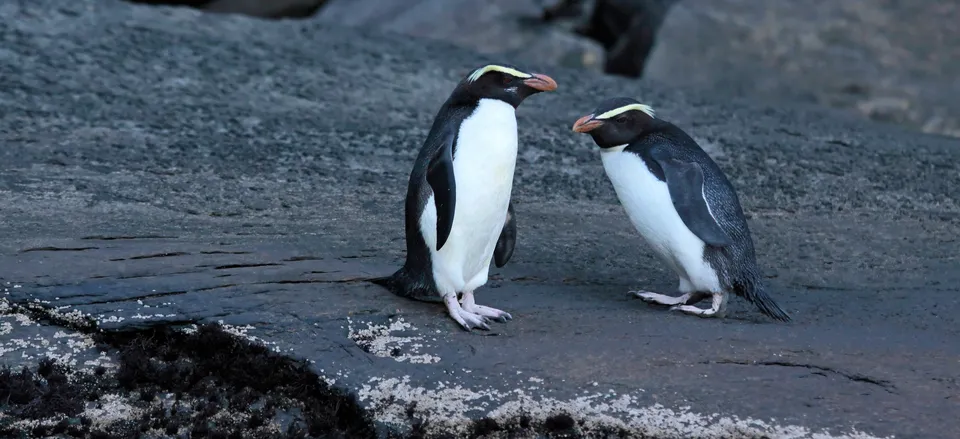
486 150
647 203
483 163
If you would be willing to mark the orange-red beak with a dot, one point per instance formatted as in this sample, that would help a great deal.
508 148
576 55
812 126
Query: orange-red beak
541 82
586 124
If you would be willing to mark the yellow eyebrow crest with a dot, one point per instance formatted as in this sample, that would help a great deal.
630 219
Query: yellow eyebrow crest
495 68
639 107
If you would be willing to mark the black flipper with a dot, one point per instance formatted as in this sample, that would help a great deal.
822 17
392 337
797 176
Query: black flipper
444 184
508 238
685 183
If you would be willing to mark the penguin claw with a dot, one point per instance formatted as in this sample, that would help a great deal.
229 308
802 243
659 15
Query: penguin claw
484 311
489 313
467 320
659 299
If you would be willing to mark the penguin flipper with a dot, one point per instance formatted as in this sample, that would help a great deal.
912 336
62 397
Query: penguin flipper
685 183
508 238
441 178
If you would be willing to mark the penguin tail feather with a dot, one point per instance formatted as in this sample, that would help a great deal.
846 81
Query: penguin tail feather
388 282
757 295
402 284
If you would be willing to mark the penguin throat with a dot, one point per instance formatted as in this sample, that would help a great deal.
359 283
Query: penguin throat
613 149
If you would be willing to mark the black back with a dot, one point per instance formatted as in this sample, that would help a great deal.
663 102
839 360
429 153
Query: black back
735 263
660 143
415 279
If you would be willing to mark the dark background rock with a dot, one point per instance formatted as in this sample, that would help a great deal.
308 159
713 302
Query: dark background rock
888 60
627 29
161 166
499 28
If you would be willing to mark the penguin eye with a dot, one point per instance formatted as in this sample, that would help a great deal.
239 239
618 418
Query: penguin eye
621 119
506 79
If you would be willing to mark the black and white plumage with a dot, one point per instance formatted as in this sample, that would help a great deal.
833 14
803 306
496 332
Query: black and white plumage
458 213
679 200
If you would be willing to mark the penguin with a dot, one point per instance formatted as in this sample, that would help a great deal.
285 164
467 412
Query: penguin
458 213
683 206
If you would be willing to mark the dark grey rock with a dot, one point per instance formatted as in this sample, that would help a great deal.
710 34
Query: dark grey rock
499 28
888 60
165 166
627 30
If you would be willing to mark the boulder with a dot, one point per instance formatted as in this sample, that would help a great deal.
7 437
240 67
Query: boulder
887 60
499 28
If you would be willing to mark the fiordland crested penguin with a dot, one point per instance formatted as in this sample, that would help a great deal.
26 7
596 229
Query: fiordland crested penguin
679 200
459 215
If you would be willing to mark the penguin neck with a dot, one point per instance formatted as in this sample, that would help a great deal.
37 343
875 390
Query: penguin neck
614 149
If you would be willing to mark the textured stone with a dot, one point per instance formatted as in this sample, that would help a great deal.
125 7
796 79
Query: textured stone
499 28
888 60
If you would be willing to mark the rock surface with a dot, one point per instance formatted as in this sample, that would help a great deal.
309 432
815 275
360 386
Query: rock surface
888 60
161 166
504 28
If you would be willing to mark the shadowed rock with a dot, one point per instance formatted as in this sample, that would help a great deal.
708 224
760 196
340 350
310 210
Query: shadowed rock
254 8
627 29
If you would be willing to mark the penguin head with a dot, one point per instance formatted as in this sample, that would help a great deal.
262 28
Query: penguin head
502 82
617 121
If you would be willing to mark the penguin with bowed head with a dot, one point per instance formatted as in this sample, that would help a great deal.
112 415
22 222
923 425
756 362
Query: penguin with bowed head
679 200
458 212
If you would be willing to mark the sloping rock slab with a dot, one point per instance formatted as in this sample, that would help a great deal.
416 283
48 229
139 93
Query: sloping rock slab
162 167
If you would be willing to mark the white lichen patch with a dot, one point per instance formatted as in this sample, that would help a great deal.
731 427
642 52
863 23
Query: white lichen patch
241 331
26 341
110 409
450 409
139 316
379 340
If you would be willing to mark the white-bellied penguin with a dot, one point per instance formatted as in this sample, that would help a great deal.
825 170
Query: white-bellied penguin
679 200
459 215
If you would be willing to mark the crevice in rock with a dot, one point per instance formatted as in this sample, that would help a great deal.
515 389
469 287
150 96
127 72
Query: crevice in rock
131 299
232 266
275 9
160 255
302 258
117 238
57 249
141 276
884 384
315 281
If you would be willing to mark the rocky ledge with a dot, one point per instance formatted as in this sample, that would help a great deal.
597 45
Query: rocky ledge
191 203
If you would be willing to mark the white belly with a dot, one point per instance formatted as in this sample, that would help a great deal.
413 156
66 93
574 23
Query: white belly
483 163
649 207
